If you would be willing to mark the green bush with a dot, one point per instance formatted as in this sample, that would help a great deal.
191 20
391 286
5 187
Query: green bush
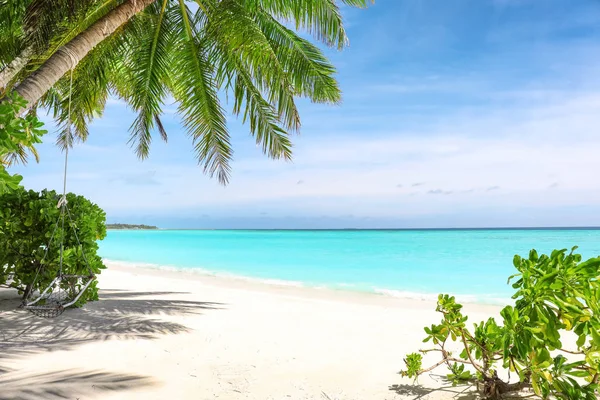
549 340
27 221
16 136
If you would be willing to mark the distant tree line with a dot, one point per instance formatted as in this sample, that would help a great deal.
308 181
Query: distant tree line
129 226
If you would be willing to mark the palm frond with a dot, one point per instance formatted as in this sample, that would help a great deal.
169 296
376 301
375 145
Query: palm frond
309 70
263 118
161 128
274 140
244 49
194 88
43 18
235 73
358 3
321 18
232 30
19 156
80 22
148 71
12 35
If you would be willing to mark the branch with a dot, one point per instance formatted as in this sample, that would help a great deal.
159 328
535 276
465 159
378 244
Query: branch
582 367
477 366
529 396
442 361
432 367
445 359
572 352
512 387
13 286
445 355
471 339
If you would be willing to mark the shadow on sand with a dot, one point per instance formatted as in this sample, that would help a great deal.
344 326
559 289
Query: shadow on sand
119 315
460 392
417 392
67 384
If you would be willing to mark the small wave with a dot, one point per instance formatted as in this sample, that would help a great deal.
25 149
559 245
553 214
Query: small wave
275 282
205 272
161 267
351 287
406 295
461 298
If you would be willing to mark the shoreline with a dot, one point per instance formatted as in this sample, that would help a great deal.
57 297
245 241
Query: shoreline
294 288
498 228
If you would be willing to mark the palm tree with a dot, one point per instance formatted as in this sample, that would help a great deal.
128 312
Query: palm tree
149 51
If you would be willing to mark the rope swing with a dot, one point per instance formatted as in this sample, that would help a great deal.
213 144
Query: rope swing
66 289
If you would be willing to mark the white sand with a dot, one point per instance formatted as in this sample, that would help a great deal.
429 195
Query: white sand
173 335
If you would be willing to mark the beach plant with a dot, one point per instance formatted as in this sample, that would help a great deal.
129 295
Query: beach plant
153 53
548 341
31 235
17 136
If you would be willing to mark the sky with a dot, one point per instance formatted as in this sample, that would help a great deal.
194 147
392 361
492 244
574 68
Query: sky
458 113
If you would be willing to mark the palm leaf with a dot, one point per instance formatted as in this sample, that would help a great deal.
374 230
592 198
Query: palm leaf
12 13
240 48
263 118
309 70
321 18
71 29
194 88
231 29
149 68
45 18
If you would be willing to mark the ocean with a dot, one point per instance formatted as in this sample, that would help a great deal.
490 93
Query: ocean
471 264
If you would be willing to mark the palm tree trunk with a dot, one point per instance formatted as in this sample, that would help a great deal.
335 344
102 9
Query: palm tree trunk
15 66
67 57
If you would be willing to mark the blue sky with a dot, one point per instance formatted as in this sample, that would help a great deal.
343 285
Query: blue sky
458 113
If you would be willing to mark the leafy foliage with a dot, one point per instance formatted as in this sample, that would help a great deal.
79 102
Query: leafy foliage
29 225
249 50
557 302
12 34
17 135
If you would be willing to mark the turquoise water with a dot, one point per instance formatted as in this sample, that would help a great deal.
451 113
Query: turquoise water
472 263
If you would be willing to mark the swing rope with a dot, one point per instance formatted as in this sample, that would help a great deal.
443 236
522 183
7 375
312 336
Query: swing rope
62 203
54 299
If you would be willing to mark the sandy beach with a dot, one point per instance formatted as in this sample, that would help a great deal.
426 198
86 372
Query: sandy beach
171 335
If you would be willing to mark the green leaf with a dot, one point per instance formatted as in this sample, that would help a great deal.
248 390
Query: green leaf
194 87
595 337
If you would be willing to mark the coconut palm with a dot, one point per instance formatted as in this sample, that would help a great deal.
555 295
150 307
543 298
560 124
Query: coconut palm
148 52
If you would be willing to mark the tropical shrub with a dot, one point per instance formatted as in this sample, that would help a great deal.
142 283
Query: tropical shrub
17 134
29 222
549 340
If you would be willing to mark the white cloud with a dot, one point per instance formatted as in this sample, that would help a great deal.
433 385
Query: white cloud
524 154
522 119
113 101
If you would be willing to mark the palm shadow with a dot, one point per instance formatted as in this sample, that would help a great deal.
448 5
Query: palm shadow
123 315
117 315
460 392
66 384
418 392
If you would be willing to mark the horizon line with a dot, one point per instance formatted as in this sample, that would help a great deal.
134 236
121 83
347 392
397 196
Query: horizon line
523 228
